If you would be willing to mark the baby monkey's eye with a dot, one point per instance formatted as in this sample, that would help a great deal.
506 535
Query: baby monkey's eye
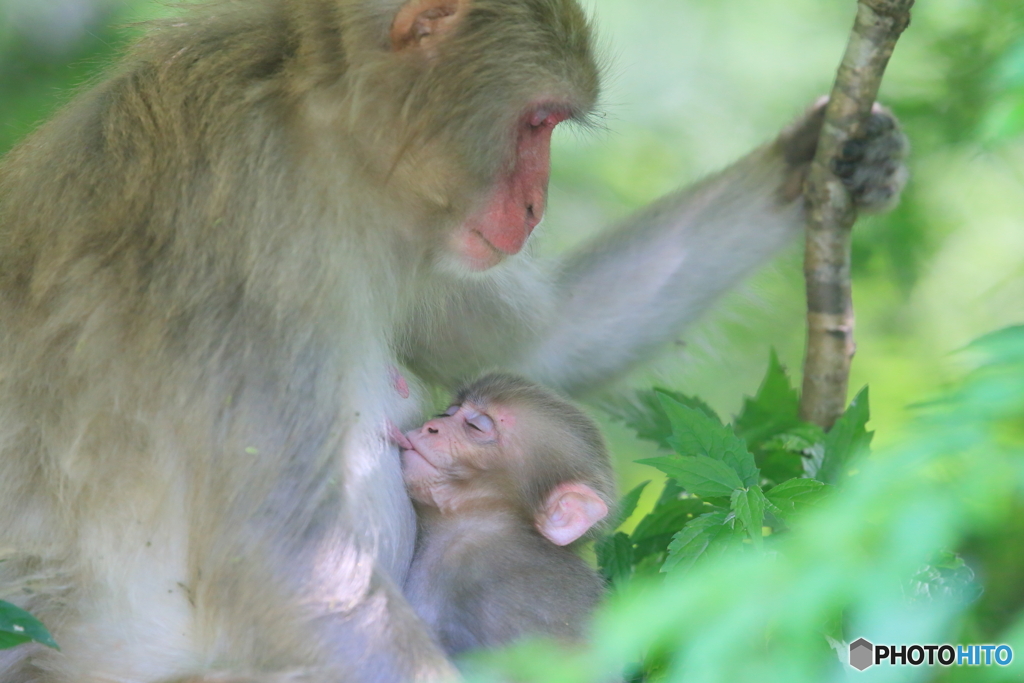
480 422
451 411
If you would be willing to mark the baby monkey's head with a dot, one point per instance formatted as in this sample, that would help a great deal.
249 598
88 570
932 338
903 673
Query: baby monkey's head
507 443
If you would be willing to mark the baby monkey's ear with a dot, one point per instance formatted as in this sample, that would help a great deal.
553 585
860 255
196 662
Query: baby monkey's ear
571 509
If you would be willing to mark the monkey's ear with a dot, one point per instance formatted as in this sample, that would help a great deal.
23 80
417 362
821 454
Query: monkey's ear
423 24
571 509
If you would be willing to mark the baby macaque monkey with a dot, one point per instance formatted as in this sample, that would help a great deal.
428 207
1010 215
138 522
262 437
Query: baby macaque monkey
504 482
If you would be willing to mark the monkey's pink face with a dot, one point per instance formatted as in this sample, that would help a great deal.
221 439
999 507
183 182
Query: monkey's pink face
450 446
501 226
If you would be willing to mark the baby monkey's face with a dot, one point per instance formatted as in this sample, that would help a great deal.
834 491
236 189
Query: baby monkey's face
450 448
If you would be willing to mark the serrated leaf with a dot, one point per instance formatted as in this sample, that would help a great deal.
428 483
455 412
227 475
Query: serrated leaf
797 438
669 518
847 438
691 402
772 510
644 414
774 409
654 532
701 476
794 495
777 465
627 505
784 456
749 504
689 544
694 433
18 627
728 540
615 557
670 493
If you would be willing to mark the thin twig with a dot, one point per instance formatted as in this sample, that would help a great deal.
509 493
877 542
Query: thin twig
831 212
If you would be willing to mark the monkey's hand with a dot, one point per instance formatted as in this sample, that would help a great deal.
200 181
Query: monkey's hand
871 166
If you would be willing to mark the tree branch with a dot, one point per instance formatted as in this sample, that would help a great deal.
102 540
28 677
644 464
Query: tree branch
831 212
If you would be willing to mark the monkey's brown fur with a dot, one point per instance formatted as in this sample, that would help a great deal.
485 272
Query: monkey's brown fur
204 261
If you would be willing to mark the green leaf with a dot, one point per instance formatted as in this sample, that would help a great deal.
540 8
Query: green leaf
644 414
654 532
794 495
694 433
730 539
627 506
669 518
797 438
749 504
774 409
704 477
18 627
670 493
689 544
788 454
615 557
847 438
777 465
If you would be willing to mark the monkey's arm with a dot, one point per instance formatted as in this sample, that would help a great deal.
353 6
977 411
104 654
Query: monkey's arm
637 286
620 297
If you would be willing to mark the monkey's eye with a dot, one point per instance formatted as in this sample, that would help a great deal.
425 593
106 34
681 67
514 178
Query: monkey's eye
451 411
480 422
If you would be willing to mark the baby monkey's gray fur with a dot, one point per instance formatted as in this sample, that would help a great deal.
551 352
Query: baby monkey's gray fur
484 574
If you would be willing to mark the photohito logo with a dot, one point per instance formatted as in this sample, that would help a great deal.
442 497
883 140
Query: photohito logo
864 654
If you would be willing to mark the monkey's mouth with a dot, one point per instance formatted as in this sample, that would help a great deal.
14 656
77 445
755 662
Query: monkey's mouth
416 464
476 251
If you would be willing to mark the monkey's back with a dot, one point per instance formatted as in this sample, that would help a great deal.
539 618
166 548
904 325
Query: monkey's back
489 591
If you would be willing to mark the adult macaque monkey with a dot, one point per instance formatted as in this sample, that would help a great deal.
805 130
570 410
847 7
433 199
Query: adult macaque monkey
210 260
503 483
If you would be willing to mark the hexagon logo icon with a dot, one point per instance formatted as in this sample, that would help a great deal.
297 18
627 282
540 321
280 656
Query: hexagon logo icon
861 654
